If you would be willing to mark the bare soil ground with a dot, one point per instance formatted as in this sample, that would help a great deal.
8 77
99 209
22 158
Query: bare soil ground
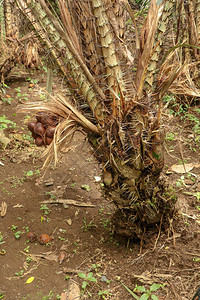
83 234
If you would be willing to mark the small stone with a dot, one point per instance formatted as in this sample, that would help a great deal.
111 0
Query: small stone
69 222
49 182
103 278
97 178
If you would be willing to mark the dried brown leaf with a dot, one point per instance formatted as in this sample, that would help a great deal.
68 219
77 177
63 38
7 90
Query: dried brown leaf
3 209
72 293
61 257
67 22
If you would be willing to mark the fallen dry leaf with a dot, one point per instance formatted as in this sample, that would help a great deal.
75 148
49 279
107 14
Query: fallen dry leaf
69 222
4 140
29 280
182 168
3 209
61 257
18 206
64 248
72 293
49 256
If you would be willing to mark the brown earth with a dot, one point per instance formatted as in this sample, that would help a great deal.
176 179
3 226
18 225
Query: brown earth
170 258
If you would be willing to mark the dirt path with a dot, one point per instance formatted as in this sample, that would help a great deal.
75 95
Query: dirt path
83 233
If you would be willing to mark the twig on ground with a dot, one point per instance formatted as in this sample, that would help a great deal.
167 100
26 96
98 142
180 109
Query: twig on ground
72 271
158 233
28 272
68 202
141 241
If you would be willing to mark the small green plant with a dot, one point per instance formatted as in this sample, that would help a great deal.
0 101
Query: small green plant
28 174
101 211
95 267
180 182
33 81
104 294
45 209
170 136
26 297
106 223
2 295
13 227
46 212
5 123
48 297
28 259
22 97
196 259
18 89
18 234
52 196
88 226
26 249
146 293
26 228
77 247
42 96
86 187
197 195
3 87
61 238
1 239
20 273
7 100
88 278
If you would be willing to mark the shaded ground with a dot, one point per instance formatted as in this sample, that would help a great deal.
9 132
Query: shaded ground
171 259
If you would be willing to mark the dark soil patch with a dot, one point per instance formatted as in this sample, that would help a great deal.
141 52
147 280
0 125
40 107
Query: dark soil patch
85 234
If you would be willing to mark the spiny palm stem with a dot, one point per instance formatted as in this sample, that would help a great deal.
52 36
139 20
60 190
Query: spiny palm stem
113 69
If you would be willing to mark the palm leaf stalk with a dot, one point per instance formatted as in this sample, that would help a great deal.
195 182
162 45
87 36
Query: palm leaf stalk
193 35
166 12
123 129
12 30
2 20
197 13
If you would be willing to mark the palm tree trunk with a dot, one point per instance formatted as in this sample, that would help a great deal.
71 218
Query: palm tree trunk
129 143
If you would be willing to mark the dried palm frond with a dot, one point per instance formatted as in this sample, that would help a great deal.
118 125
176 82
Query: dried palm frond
183 82
31 54
146 44
70 121
67 22
9 57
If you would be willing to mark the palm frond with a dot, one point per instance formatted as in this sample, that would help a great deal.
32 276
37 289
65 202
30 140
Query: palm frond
70 121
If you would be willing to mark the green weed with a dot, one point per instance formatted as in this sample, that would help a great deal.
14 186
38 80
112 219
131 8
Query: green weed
88 226
88 278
